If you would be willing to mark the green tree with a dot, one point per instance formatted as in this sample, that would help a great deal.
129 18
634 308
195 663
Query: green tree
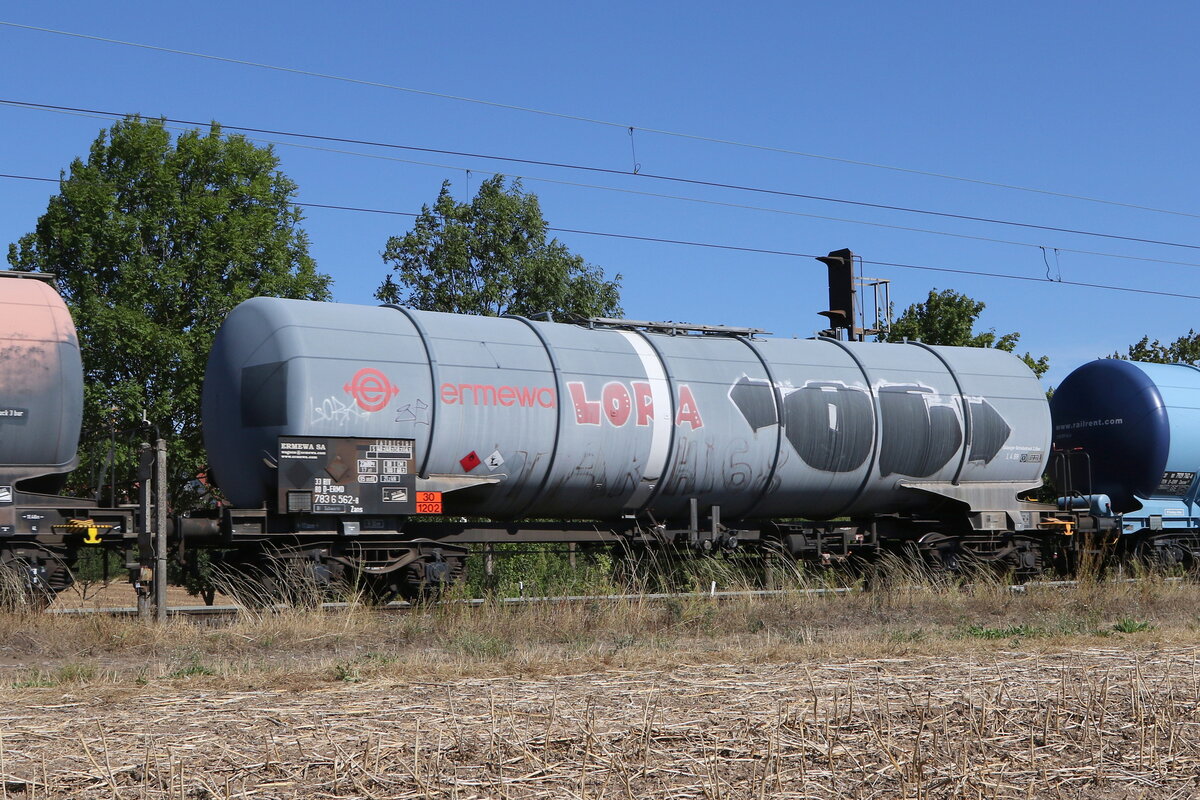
153 242
491 256
1185 349
948 318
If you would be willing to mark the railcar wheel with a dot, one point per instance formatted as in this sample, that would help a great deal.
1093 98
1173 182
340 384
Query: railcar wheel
1164 555
427 579
378 590
243 582
942 554
257 581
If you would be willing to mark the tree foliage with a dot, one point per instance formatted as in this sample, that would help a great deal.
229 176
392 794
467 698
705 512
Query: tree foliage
1185 349
153 242
491 256
948 318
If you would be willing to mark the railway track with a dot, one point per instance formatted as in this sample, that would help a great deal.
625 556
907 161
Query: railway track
217 611
401 606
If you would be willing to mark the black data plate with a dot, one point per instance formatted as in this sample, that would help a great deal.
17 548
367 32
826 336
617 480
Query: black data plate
1176 483
347 475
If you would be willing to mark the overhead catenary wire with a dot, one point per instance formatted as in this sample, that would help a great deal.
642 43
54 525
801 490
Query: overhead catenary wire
764 209
741 249
1032 279
637 192
1119 256
28 178
671 178
601 122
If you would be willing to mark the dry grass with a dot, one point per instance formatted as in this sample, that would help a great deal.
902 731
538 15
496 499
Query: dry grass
914 690
900 619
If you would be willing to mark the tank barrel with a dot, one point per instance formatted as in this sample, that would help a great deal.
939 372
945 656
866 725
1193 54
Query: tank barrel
608 419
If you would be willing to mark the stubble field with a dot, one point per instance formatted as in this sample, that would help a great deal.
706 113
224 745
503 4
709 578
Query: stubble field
906 692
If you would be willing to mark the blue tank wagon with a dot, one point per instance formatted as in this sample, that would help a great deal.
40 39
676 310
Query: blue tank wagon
1133 430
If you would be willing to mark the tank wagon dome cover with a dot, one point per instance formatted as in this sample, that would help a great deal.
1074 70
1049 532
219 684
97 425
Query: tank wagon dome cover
41 380
1137 424
559 420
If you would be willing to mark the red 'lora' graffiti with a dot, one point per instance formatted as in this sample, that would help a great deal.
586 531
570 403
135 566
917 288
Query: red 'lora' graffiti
619 403
371 389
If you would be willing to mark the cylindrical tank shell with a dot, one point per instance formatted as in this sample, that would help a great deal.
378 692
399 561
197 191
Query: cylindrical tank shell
41 381
1138 424
598 423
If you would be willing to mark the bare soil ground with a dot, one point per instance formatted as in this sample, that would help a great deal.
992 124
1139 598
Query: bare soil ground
120 594
903 693
1097 723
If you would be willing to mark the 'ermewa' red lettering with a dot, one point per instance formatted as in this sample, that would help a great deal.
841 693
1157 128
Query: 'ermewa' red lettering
485 394
689 412
617 403
525 396
643 401
587 412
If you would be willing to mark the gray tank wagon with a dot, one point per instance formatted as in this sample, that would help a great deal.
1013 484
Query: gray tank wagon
663 432
538 419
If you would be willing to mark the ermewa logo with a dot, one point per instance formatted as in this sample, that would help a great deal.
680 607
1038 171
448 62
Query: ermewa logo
485 394
371 389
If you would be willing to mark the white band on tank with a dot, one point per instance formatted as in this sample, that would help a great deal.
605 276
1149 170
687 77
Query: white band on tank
660 395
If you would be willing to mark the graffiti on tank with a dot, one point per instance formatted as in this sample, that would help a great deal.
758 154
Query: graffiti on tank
591 472
708 483
529 464
625 486
621 403
738 474
831 425
989 431
786 455
683 471
692 473
922 430
688 411
486 394
617 403
334 411
371 389
416 413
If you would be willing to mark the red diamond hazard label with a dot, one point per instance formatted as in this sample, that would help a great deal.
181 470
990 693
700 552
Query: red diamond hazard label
470 461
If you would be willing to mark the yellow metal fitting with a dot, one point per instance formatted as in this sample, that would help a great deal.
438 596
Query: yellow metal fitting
90 529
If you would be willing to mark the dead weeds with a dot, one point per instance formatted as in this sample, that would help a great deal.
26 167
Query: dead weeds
463 641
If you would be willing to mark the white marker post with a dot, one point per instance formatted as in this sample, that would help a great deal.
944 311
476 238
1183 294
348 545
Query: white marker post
160 531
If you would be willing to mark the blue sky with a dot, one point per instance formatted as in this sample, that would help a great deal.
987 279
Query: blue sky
1083 99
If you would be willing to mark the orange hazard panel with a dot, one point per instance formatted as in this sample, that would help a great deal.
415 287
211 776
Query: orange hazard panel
429 502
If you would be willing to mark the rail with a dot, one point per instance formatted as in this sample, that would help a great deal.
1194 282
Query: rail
402 606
